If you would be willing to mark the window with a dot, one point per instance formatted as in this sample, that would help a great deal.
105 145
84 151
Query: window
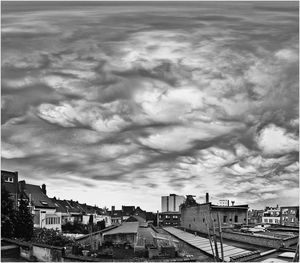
9 179
230 219
167 216
224 219
270 220
52 220
276 221
292 219
266 220
236 219
175 216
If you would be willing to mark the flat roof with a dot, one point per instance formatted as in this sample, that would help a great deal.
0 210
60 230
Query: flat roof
125 228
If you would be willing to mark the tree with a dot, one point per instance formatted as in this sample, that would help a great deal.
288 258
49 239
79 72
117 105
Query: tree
24 222
8 214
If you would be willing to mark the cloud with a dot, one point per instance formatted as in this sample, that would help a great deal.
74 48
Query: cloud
177 99
275 140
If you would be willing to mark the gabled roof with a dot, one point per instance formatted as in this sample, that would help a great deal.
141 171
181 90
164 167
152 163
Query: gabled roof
74 207
60 205
142 222
37 197
124 228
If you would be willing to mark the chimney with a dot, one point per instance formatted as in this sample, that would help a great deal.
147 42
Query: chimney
207 198
112 208
44 189
232 203
227 202
22 185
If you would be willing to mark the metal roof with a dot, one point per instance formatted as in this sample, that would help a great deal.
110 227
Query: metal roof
125 228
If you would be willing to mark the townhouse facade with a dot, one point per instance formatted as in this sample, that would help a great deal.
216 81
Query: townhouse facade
289 216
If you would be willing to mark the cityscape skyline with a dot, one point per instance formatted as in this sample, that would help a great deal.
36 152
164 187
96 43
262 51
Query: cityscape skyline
111 105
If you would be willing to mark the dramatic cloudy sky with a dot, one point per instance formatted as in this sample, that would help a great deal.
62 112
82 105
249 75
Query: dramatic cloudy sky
121 103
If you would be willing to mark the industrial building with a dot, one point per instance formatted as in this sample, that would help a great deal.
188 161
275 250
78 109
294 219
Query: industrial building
198 217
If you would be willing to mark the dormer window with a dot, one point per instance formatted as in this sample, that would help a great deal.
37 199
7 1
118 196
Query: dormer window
9 179
44 203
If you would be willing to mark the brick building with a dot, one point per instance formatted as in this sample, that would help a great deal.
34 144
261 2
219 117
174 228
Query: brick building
195 216
289 216
9 180
255 216
169 219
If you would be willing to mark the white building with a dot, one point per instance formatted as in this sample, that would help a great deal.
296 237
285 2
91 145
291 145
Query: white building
223 202
271 215
42 208
171 203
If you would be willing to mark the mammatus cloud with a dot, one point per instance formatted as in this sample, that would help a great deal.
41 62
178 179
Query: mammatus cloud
184 101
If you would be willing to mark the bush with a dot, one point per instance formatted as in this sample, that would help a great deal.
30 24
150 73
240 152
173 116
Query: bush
75 228
8 214
51 237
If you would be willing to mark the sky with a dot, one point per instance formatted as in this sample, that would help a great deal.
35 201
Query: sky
121 103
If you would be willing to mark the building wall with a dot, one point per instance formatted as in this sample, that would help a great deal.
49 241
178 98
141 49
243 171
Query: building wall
179 200
46 253
169 219
47 218
164 203
171 203
106 218
255 216
130 238
289 216
172 207
271 219
10 182
197 217
223 202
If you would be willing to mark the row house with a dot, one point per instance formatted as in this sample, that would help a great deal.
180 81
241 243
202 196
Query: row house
271 215
255 216
41 206
289 216
120 216
50 213
75 212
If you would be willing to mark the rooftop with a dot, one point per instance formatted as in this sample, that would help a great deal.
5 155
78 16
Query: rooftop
37 197
125 228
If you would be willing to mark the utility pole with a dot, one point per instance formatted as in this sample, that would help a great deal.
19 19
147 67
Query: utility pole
209 237
221 238
215 239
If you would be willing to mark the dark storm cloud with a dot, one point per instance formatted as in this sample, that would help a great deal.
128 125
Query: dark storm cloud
183 97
